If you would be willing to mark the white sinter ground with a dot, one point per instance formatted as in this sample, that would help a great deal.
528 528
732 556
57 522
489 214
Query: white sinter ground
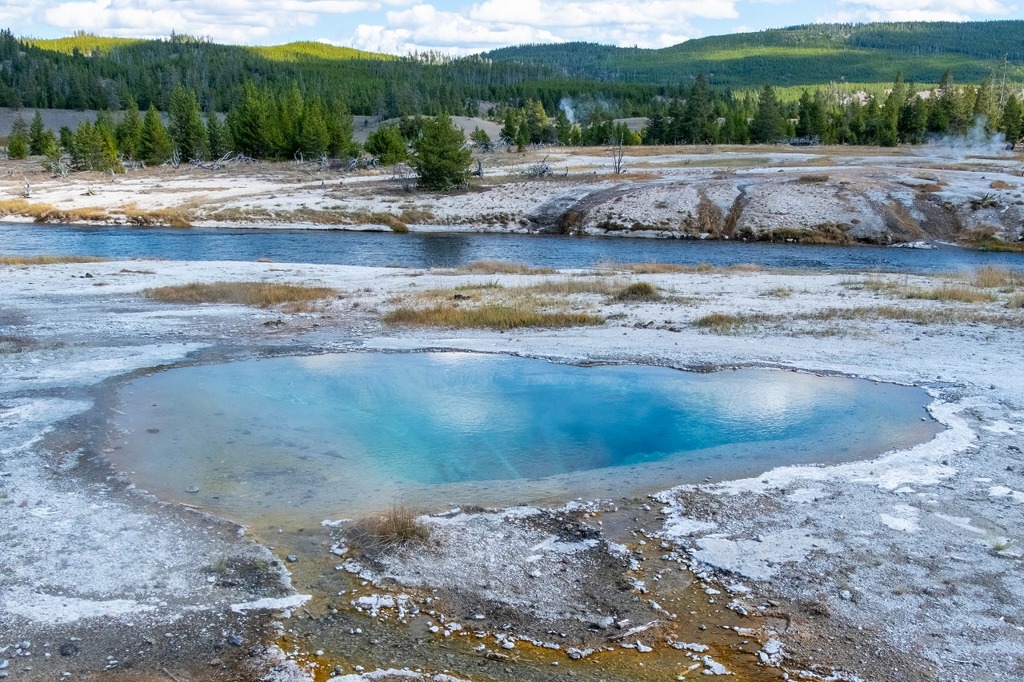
919 548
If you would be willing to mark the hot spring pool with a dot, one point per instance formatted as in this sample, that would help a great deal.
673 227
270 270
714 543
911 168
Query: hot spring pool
304 438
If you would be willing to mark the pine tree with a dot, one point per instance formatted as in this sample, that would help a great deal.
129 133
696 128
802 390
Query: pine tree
810 116
768 125
1013 120
441 160
18 140
985 109
188 134
480 139
93 148
37 136
314 139
129 130
387 144
510 129
248 122
698 125
339 129
155 145
563 127
218 136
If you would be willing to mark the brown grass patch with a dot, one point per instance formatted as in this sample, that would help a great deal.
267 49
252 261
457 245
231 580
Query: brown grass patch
998 245
670 268
258 294
990 277
947 292
398 526
999 184
501 267
638 291
499 316
813 178
162 217
569 287
48 213
48 260
731 323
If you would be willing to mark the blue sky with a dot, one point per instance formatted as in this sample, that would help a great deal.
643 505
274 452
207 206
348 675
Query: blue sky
461 27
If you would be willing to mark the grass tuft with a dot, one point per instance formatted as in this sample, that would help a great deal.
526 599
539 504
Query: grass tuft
946 292
488 316
398 526
813 178
730 323
160 217
501 267
258 294
48 213
671 268
48 260
989 277
638 291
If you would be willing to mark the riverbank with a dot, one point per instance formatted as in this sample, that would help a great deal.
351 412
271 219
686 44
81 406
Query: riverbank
818 195
901 568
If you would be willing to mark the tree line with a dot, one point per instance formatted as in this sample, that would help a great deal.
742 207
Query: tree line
264 125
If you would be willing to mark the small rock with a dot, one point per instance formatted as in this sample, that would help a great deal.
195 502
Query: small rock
291 558
643 648
846 595
68 649
215 662
193 490
235 639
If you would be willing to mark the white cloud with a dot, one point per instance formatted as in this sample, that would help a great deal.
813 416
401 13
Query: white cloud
495 23
921 10
237 21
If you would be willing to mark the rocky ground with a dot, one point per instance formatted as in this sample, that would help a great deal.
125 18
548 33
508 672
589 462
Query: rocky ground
905 567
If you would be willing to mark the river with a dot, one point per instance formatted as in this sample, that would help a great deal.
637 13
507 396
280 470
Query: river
428 250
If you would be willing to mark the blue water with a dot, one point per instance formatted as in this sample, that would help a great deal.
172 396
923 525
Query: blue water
452 249
334 434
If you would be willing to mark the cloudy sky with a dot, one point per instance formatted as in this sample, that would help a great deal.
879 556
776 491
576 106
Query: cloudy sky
465 26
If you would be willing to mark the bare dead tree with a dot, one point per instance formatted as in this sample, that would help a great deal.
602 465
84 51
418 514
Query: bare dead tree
479 170
404 176
26 189
618 151
541 169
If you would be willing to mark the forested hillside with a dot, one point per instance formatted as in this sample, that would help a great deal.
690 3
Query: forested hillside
86 72
801 55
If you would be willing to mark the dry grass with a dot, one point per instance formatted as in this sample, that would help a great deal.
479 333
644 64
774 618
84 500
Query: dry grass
500 267
48 213
501 316
671 268
947 292
638 291
398 526
162 217
960 293
990 277
570 287
258 294
922 316
999 184
999 246
732 323
813 178
48 260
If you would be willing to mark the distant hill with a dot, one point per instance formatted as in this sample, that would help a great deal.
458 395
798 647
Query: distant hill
85 71
799 55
